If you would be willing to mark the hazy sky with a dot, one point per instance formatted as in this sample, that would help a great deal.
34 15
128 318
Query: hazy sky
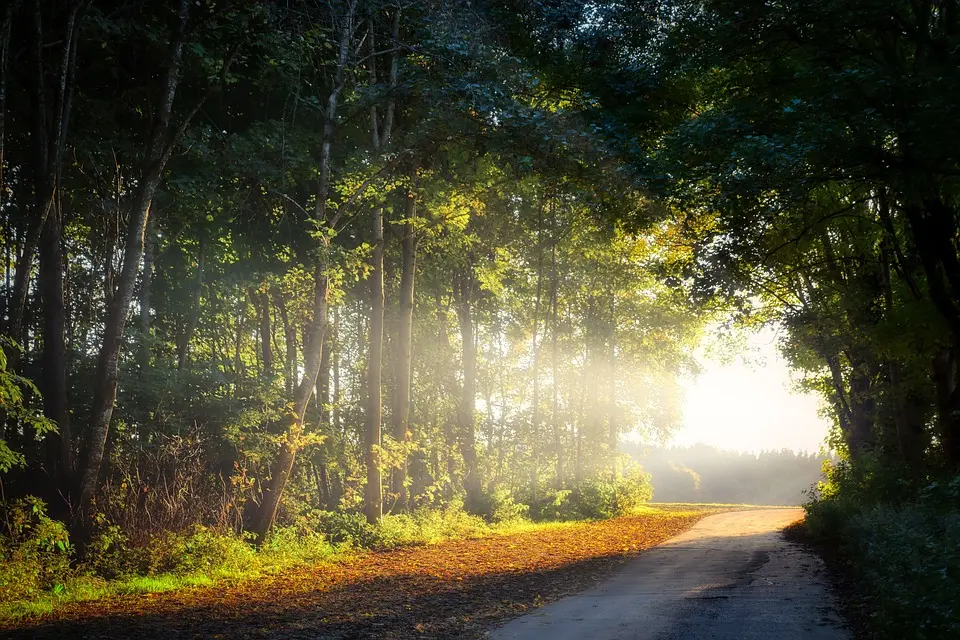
750 406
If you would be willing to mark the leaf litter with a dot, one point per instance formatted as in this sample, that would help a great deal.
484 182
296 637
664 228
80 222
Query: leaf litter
452 589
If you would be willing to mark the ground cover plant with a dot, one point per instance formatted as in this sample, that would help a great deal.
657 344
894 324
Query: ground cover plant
456 587
279 276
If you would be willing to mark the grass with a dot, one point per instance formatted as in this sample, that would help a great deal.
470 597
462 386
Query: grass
457 588
236 561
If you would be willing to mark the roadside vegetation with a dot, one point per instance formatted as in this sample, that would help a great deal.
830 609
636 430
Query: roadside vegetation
40 569
896 547
279 277
305 560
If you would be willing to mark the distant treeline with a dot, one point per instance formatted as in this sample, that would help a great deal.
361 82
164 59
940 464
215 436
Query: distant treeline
702 473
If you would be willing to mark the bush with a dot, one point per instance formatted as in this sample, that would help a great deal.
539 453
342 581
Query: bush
347 528
296 544
902 544
602 497
503 508
34 551
423 526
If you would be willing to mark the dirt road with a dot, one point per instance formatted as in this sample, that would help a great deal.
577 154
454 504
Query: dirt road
732 576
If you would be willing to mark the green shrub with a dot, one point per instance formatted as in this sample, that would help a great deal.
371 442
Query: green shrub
502 507
347 528
201 550
108 554
604 497
296 544
902 544
558 505
34 551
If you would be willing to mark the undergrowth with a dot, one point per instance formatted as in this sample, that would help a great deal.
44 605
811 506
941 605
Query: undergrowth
899 541
41 570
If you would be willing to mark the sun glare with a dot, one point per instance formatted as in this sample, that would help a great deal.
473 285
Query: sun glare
749 404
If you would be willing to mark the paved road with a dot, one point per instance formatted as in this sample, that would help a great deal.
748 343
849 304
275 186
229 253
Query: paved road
731 577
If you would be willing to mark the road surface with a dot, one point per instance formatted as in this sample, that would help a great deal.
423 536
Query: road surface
731 577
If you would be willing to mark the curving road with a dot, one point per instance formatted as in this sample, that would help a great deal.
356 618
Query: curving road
733 576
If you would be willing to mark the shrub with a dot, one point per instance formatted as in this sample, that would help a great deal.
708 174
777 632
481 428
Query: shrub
502 507
902 544
108 553
295 544
604 497
35 551
347 528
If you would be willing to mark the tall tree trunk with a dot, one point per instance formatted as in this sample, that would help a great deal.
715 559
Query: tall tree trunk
183 348
156 155
404 360
267 513
554 357
613 412
464 292
372 506
5 29
266 334
323 384
289 341
49 125
535 418
296 410
146 290
54 363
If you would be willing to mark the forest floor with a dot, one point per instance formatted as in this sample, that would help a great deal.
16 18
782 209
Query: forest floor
452 589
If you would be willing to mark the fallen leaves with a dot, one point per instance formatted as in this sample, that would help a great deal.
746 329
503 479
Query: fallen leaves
453 589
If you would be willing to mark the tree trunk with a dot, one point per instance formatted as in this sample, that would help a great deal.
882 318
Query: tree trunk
535 417
289 341
183 348
554 295
262 301
404 360
49 124
464 288
372 505
146 289
267 513
107 375
54 364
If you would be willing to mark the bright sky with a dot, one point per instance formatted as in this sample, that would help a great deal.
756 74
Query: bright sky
749 404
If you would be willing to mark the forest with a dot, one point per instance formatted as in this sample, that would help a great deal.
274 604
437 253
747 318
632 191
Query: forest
702 473
280 272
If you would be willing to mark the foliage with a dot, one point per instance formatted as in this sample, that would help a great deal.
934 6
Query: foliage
604 497
701 473
17 408
901 542
502 507
35 551
448 586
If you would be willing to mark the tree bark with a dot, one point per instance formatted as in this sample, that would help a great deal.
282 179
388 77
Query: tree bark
464 291
554 356
156 155
404 360
49 125
54 359
183 348
373 501
146 290
289 341
535 417
266 334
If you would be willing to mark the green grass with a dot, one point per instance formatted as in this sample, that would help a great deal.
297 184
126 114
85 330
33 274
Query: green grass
236 561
